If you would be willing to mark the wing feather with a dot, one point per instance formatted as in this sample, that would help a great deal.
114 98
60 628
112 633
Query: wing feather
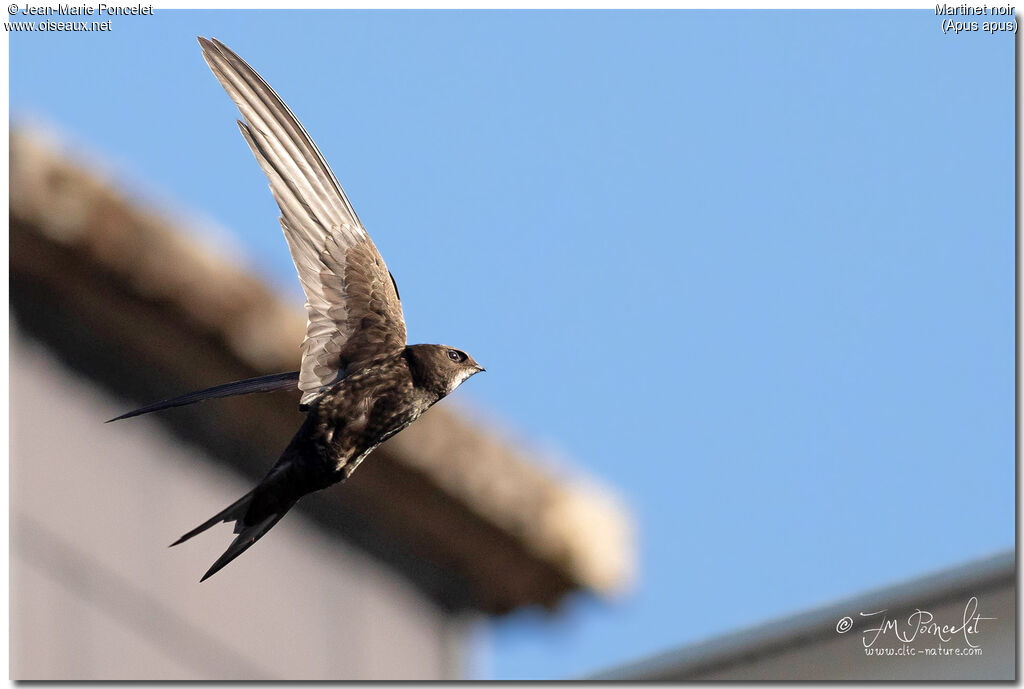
352 304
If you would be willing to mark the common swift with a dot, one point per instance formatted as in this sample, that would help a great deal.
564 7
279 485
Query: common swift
360 382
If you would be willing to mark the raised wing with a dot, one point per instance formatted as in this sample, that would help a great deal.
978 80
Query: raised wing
352 303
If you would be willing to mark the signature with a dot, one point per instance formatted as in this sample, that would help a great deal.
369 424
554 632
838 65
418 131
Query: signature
919 623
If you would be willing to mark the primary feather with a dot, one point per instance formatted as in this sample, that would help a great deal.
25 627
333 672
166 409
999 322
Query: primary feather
275 381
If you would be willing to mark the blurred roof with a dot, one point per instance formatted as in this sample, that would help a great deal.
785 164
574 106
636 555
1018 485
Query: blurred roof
130 300
819 645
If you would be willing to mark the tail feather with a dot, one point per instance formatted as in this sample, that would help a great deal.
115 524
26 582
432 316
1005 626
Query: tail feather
233 512
247 533
246 537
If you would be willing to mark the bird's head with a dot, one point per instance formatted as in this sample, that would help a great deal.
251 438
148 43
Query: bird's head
442 368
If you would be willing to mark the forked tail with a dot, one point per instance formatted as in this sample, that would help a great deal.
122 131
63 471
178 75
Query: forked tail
248 532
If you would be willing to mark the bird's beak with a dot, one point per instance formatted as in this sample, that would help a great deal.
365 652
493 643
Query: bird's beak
480 369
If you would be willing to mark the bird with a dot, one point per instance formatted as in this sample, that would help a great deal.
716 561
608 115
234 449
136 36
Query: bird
361 383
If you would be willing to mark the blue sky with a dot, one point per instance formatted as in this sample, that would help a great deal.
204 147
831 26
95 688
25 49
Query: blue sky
753 269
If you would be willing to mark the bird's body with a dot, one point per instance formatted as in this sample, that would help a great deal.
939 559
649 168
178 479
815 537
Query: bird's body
364 409
361 383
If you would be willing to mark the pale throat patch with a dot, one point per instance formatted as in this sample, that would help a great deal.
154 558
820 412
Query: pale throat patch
459 379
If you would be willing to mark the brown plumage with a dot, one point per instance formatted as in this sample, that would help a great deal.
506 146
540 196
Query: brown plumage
361 383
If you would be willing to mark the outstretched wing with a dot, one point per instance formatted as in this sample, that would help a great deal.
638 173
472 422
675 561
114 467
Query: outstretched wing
275 381
355 315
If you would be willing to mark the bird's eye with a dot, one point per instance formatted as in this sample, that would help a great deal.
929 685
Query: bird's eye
455 355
